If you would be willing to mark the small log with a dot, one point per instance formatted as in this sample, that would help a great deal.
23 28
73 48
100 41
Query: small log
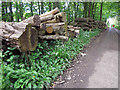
55 24
54 11
53 37
46 18
49 29
62 16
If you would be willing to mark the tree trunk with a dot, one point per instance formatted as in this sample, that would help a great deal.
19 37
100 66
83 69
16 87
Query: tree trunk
3 11
42 8
89 10
11 12
85 9
94 10
101 11
17 14
31 5
21 10
75 14
39 7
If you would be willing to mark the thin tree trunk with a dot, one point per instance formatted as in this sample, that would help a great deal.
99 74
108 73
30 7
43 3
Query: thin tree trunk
42 8
75 10
11 12
3 11
92 9
39 7
31 8
94 12
21 9
89 10
85 9
101 11
17 14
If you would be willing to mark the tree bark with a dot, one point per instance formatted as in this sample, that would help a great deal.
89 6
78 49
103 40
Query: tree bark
75 10
101 11
39 7
54 11
17 14
42 8
54 37
3 11
89 10
34 20
31 5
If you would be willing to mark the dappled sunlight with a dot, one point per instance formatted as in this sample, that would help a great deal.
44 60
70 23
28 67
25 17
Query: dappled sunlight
112 21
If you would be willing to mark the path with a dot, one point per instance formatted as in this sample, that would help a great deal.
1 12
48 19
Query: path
99 68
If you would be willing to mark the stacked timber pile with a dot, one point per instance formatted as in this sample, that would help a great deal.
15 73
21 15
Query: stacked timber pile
25 34
101 25
73 31
88 23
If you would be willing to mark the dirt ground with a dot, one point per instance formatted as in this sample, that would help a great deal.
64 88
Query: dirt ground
96 67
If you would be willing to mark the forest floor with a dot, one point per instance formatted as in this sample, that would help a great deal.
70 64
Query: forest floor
97 67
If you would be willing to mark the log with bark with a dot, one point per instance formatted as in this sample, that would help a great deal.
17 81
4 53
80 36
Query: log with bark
34 20
23 38
53 37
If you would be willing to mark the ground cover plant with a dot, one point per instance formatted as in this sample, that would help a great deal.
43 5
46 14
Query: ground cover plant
49 60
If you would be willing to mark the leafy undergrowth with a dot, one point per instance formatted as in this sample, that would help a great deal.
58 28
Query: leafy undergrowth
118 27
46 63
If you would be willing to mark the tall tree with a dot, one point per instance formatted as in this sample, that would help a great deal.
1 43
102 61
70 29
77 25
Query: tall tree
11 12
42 8
39 7
85 4
31 6
17 14
101 11
89 10
75 10
21 9
3 11
94 10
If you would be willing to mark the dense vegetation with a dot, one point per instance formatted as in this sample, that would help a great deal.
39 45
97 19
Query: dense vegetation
47 62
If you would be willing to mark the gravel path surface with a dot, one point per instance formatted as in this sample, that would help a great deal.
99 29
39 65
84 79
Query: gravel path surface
97 67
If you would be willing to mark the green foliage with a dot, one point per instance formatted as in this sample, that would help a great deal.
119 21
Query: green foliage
47 62
118 27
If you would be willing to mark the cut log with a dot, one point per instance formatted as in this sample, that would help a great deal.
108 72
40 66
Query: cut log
34 20
46 18
53 37
54 11
55 24
49 29
62 16
29 39
24 38
42 29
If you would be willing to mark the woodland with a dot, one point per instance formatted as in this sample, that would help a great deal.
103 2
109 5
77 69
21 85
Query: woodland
39 40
